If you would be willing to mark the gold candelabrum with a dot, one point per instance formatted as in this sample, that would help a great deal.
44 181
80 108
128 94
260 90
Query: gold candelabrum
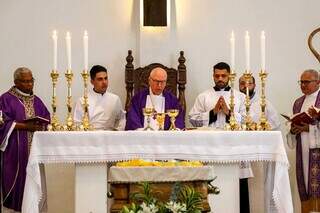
85 124
263 124
70 125
248 122
54 125
233 124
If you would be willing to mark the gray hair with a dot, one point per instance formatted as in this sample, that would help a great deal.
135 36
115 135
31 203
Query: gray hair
19 71
315 73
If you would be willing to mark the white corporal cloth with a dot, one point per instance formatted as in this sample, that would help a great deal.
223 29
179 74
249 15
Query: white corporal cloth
207 146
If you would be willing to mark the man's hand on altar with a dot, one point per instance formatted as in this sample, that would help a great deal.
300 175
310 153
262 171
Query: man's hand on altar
296 129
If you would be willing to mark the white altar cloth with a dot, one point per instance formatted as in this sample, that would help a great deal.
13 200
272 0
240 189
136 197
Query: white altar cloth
207 146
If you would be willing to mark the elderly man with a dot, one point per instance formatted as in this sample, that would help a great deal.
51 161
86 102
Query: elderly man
255 108
105 108
19 105
155 97
307 148
211 107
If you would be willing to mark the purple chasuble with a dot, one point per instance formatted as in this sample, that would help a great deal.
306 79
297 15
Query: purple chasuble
16 108
314 161
135 117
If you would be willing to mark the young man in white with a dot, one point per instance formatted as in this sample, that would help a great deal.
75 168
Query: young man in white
105 108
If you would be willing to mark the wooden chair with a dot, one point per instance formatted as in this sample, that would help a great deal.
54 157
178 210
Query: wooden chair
137 79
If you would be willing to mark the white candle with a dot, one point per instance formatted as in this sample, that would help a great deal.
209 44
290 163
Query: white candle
68 43
54 92
232 50
85 50
69 91
55 48
263 51
247 49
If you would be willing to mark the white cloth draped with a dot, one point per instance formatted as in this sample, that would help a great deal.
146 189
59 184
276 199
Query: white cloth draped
206 146
105 111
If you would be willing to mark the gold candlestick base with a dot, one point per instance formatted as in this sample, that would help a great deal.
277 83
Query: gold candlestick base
248 124
54 124
263 121
233 124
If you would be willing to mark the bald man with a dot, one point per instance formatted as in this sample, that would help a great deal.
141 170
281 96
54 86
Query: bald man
155 97
308 146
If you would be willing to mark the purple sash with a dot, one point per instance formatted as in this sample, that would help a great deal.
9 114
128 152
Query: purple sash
314 161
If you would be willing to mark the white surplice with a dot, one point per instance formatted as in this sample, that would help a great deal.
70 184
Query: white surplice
271 112
157 102
105 111
206 101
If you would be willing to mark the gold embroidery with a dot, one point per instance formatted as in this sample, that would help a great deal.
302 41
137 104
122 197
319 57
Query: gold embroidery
28 103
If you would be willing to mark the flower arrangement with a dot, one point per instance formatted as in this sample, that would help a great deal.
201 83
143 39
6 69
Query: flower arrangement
140 162
183 200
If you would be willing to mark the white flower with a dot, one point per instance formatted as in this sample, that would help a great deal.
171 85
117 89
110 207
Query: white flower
176 207
148 208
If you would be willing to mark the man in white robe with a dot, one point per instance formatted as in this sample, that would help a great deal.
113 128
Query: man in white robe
211 107
255 107
105 108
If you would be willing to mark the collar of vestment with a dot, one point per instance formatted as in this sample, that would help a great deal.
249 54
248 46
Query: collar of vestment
19 94
227 88
98 93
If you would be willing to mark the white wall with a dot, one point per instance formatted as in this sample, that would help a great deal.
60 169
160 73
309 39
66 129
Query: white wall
199 27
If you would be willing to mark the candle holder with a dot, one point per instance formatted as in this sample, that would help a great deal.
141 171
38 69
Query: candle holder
248 124
54 124
85 125
148 112
173 113
160 120
263 124
233 124
69 126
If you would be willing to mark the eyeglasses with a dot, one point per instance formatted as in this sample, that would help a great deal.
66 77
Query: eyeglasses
306 81
27 81
158 81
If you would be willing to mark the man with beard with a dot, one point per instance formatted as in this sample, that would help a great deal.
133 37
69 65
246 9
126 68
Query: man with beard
211 107
255 107
18 106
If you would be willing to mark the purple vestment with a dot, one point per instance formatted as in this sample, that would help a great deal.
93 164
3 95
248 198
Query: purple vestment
135 117
314 161
16 107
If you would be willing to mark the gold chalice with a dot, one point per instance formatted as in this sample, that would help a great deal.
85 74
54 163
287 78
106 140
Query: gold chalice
148 112
160 120
173 113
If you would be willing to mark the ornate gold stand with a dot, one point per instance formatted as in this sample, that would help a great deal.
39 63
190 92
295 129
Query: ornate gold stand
69 126
85 119
233 124
54 125
263 122
248 124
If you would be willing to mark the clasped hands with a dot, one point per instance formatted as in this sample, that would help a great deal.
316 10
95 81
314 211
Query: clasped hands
221 106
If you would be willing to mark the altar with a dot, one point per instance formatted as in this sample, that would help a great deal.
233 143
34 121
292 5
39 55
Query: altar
225 149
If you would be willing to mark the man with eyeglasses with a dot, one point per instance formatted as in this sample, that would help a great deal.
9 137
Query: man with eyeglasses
155 97
308 146
255 107
19 107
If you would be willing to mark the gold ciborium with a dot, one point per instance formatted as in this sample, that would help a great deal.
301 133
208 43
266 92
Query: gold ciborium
160 120
148 112
173 113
